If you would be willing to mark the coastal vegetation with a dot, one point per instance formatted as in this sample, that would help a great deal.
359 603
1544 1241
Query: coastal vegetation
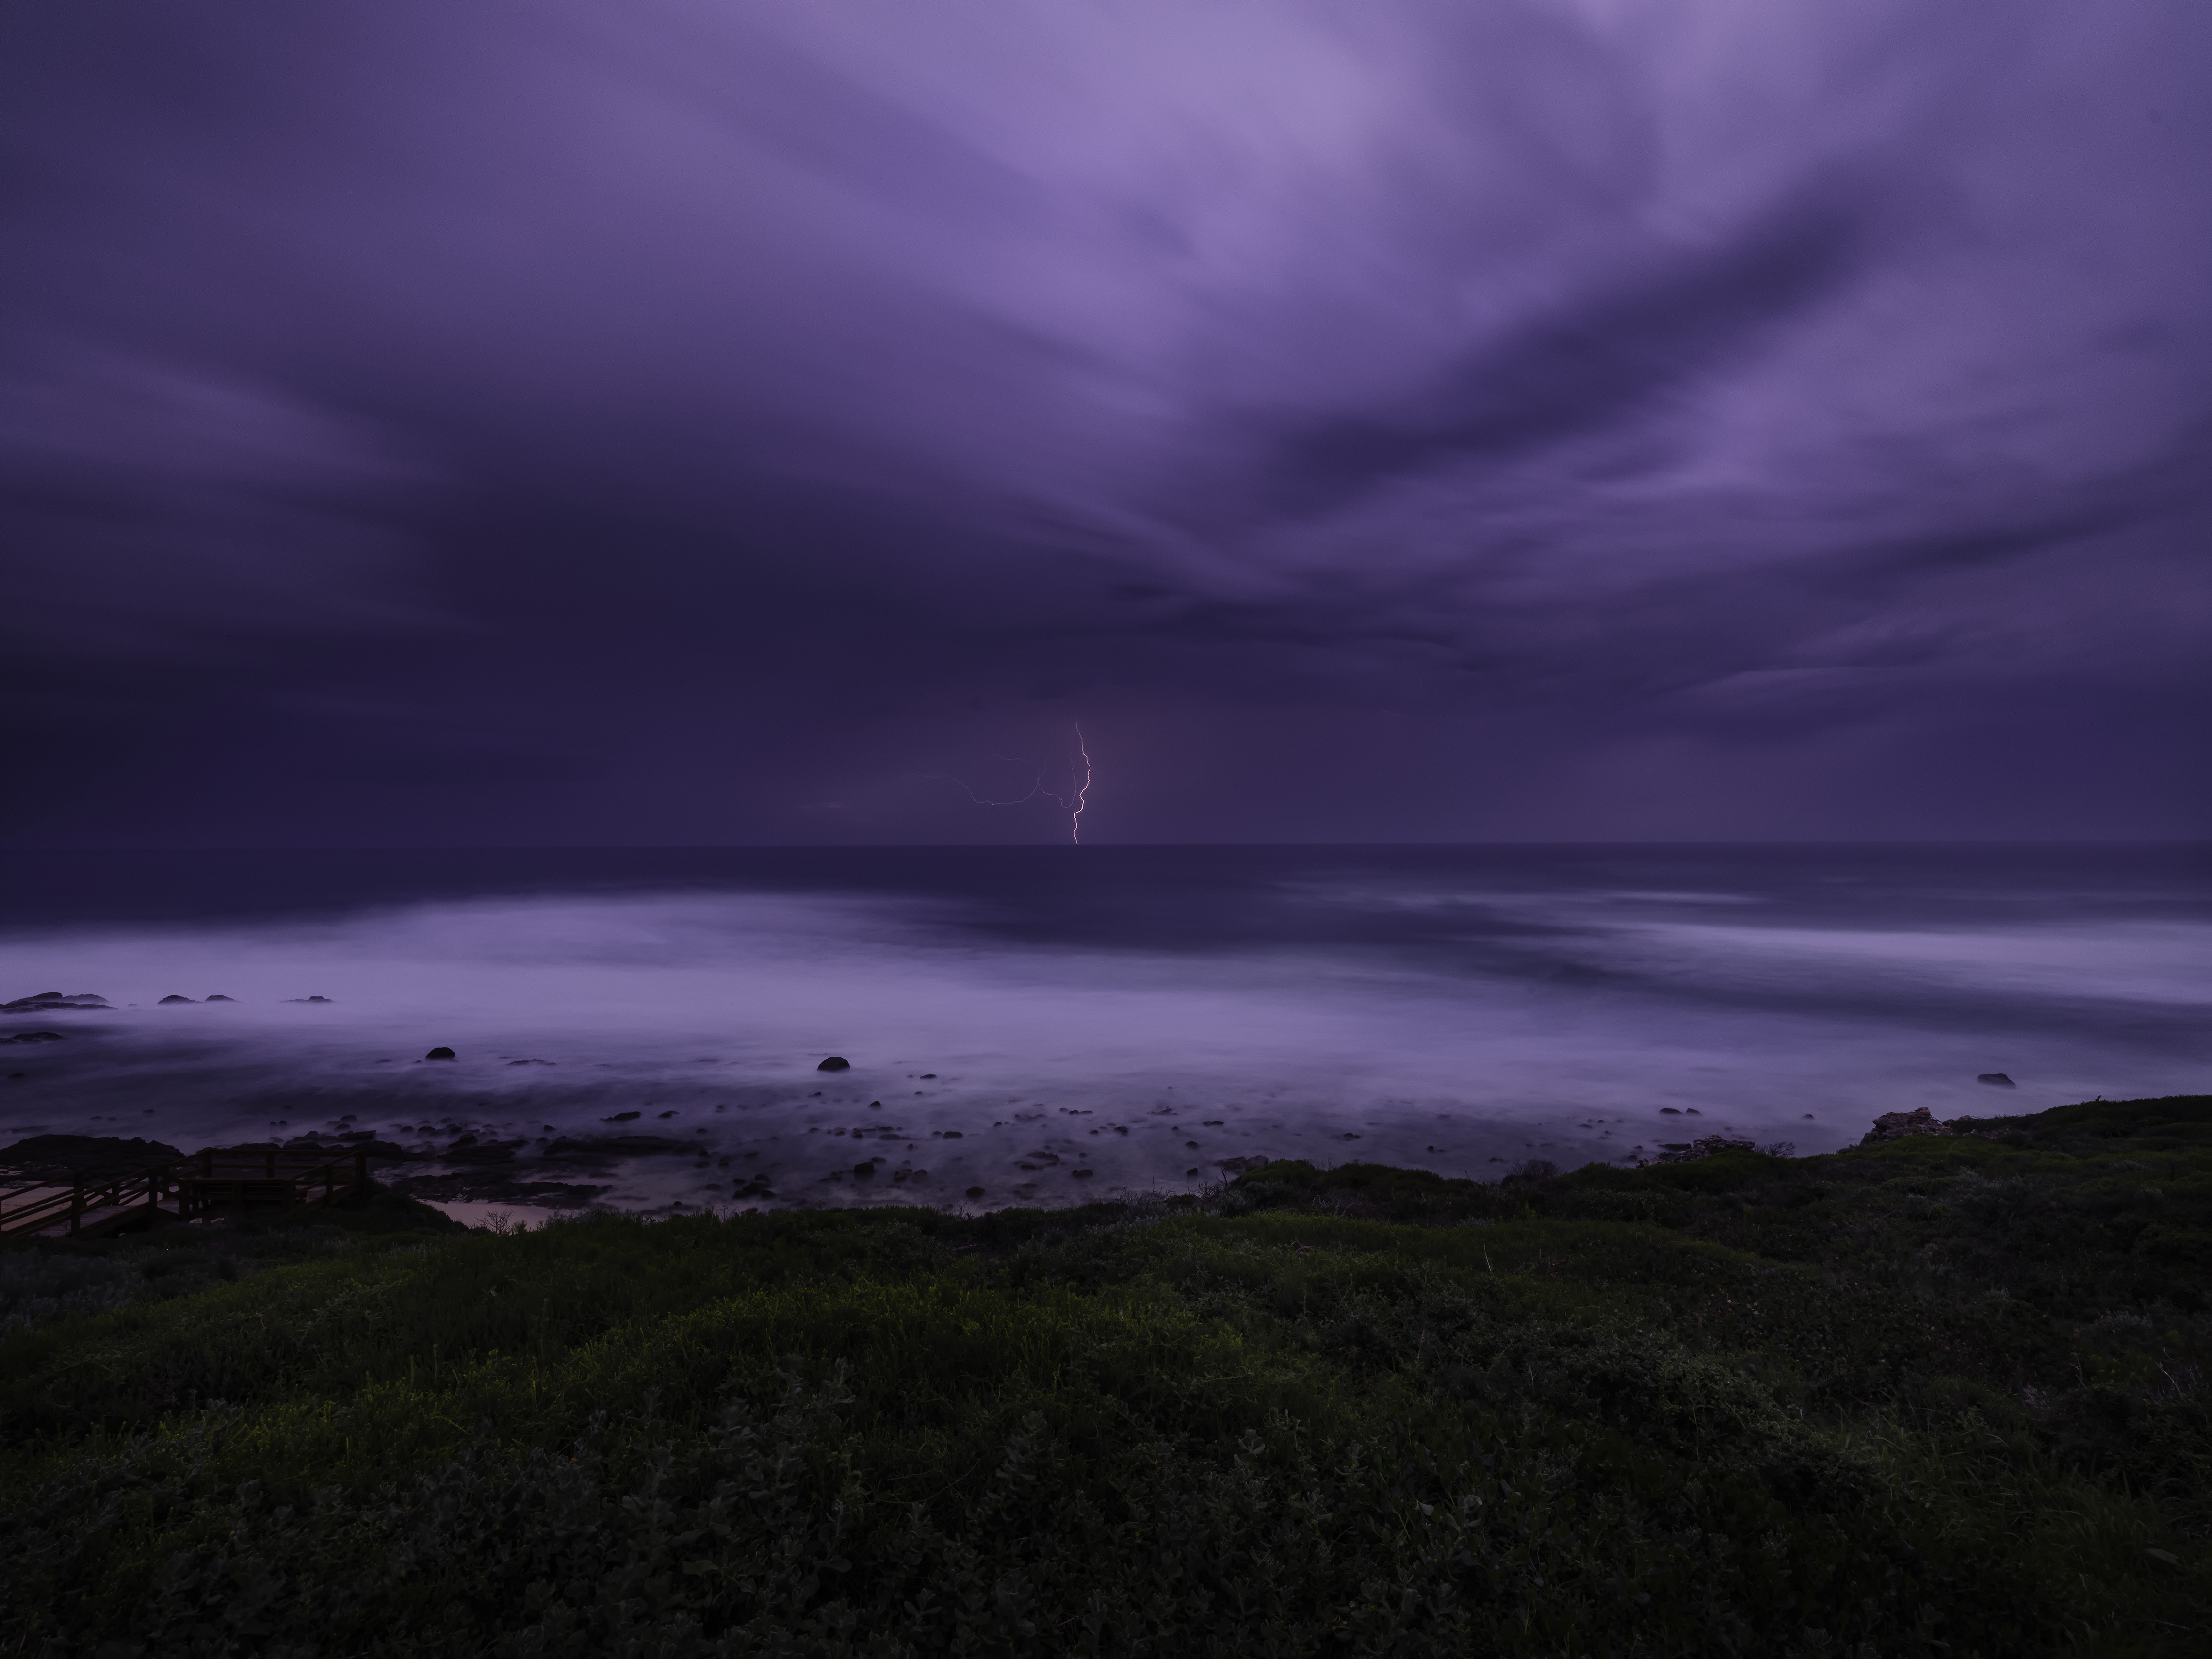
1944 1395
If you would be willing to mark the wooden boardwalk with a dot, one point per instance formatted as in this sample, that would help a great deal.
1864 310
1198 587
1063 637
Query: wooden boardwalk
219 1179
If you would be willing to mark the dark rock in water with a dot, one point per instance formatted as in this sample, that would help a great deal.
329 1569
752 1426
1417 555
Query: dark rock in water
490 1152
219 999
1996 1080
165 1001
494 1186
1083 1175
1670 1111
668 1114
307 999
613 1146
974 1192
57 1156
622 1117
1899 1126
836 1063
47 1001
440 1053
345 1145
33 1036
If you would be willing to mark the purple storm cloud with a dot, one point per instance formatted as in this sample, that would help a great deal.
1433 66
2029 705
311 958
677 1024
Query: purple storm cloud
685 421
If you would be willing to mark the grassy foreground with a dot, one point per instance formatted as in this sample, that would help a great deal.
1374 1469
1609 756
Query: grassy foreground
1942 1395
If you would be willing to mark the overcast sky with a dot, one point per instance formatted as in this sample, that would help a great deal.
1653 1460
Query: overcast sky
687 421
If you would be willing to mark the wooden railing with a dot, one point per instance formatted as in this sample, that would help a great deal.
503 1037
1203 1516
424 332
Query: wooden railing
258 1177
35 1207
218 1178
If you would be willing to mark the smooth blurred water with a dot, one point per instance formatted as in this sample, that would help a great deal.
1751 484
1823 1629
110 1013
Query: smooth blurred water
1457 1008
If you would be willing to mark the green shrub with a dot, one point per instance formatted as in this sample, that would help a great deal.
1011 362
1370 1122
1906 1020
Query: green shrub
1894 1401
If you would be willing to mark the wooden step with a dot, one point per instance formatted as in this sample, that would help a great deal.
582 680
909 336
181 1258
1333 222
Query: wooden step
92 1223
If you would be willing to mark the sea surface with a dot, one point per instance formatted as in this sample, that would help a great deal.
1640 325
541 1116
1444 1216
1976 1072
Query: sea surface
1051 1024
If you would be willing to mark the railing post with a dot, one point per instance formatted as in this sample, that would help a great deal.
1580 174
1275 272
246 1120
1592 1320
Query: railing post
76 1200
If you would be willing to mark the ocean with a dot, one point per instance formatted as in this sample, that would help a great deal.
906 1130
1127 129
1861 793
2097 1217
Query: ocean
643 1028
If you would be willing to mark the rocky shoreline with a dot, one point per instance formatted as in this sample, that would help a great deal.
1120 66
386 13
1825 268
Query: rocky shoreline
558 1173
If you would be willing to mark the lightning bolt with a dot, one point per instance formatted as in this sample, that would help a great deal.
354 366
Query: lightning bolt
1072 803
1081 791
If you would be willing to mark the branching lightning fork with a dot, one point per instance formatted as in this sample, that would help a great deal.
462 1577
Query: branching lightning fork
1075 800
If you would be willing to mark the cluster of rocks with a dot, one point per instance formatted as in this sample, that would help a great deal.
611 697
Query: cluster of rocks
1901 1126
488 1169
46 1002
470 1186
59 1157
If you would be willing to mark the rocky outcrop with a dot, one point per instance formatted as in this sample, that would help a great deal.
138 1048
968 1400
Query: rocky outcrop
590 1151
1902 1125
47 1001
836 1063
490 1186
57 1156
346 1144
